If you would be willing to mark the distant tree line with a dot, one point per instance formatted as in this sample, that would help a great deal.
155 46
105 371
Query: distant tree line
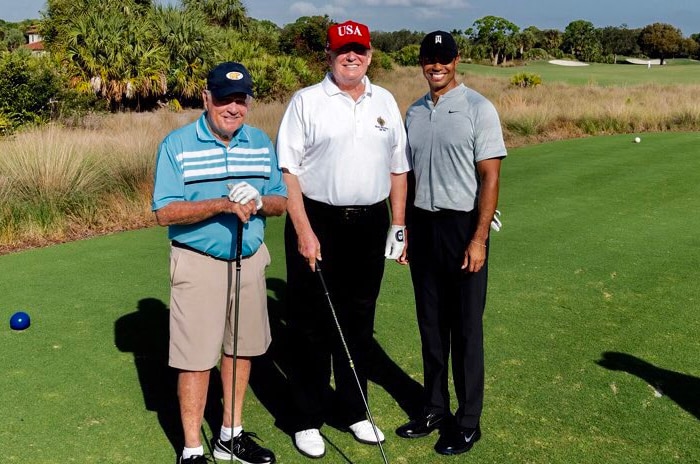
498 41
136 54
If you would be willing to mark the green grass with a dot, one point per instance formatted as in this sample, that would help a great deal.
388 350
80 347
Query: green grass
676 72
599 253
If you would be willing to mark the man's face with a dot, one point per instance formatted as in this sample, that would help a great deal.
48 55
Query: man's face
225 116
349 64
439 71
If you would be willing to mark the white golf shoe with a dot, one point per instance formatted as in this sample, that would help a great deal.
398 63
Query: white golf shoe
364 433
310 443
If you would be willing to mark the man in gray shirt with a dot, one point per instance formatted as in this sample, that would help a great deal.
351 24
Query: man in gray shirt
456 145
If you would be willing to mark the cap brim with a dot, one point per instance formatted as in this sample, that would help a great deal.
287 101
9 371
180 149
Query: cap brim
227 92
338 47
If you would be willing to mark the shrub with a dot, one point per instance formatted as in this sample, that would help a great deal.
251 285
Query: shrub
27 88
526 80
407 56
536 54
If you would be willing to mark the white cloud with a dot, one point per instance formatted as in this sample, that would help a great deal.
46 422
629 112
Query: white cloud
309 9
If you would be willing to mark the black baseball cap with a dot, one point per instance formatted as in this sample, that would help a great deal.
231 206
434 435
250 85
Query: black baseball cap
229 78
439 44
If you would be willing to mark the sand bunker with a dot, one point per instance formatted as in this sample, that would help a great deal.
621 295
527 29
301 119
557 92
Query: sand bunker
567 63
644 62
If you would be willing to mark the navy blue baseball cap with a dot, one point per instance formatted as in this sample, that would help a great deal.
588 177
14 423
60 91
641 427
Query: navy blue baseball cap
229 78
439 44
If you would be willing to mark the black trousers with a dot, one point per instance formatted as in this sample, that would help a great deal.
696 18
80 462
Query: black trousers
352 246
450 306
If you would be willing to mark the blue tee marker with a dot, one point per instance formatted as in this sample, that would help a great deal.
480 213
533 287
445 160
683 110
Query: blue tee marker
19 321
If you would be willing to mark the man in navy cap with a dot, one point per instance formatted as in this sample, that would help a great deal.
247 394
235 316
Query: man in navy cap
456 145
211 175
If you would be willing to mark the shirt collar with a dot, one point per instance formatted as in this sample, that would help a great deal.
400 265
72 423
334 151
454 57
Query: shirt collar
204 133
446 96
332 89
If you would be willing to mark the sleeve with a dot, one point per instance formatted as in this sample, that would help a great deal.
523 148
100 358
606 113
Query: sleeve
276 185
168 183
488 141
400 156
290 137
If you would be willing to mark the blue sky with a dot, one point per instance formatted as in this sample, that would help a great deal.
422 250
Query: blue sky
428 15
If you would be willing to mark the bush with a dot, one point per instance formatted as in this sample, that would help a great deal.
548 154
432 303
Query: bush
407 56
536 54
381 63
28 86
525 80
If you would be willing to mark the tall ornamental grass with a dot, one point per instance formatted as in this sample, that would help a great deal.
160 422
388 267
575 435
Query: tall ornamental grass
59 183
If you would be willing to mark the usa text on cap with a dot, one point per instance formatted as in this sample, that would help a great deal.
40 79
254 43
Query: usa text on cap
348 32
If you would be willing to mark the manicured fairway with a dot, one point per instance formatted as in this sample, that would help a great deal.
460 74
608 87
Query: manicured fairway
599 253
674 73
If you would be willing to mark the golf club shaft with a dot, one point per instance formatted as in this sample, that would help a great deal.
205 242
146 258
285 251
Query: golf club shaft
350 361
236 310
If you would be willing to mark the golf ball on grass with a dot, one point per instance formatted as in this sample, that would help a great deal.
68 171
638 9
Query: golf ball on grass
19 321
637 140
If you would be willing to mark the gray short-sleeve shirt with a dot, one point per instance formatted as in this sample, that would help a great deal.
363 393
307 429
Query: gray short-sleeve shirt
446 141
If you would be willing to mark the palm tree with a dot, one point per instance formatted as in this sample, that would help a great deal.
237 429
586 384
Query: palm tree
190 42
223 13
115 56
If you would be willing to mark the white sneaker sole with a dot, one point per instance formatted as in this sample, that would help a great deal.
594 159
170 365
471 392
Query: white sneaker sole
226 457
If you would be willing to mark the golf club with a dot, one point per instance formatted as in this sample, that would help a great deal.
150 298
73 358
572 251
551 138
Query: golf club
352 364
236 310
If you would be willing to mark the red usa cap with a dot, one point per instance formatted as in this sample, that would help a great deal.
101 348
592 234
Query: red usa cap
348 32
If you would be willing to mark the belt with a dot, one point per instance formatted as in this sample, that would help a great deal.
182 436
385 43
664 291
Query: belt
345 213
182 246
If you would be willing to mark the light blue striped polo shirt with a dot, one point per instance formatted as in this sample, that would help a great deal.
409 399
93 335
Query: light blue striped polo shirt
194 165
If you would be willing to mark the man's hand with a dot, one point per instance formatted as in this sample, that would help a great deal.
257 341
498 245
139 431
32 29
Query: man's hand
496 221
243 192
395 242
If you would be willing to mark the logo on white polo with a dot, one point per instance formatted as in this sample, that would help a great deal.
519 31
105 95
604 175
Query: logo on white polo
381 124
234 76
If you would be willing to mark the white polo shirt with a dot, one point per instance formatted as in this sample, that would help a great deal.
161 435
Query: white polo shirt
341 150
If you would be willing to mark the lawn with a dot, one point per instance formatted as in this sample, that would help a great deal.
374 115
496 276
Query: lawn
676 72
591 328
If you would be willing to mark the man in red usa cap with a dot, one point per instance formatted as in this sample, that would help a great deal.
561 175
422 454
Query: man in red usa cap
342 151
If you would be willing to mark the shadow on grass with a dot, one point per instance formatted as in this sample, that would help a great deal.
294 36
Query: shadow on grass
271 386
145 333
681 388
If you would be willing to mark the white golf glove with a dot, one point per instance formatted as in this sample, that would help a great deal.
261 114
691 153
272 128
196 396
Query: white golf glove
395 242
243 192
496 221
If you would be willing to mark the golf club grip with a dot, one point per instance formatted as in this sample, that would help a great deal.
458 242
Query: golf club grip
239 242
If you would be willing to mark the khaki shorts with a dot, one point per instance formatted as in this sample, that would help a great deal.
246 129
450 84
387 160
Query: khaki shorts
202 293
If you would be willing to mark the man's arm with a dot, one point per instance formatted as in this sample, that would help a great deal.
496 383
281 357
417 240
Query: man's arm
273 205
192 212
489 173
397 198
308 245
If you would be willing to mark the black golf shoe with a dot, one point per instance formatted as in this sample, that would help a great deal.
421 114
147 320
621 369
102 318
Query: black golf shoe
194 460
457 440
421 426
245 450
